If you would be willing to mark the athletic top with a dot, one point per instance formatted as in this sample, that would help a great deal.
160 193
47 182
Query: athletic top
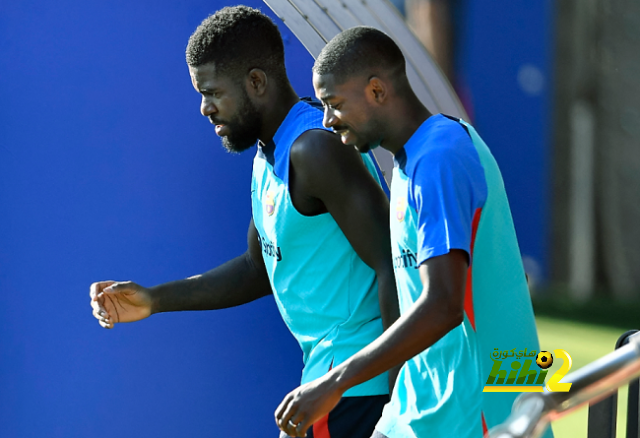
447 193
327 295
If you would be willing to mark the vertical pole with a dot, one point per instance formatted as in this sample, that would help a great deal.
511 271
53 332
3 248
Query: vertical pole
602 415
602 418
633 410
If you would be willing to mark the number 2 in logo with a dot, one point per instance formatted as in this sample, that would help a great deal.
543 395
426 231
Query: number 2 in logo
554 384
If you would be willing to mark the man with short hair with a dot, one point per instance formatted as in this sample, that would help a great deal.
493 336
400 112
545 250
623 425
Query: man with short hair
459 274
318 241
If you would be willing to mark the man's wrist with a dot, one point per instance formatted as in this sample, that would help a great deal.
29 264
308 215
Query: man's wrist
337 381
154 296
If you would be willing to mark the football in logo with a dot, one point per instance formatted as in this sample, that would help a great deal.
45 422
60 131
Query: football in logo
401 208
269 204
544 359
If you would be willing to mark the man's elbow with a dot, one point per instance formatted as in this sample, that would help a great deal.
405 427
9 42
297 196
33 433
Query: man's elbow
452 315
455 318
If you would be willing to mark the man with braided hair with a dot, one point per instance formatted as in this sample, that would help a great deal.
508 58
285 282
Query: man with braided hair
461 284
318 240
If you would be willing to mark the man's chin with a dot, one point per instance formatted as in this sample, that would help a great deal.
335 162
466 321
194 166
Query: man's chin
347 140
364 148
237 146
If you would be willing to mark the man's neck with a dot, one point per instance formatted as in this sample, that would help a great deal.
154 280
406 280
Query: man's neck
276 111
403 122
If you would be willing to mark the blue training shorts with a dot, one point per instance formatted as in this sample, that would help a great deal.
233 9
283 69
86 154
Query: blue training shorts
353 417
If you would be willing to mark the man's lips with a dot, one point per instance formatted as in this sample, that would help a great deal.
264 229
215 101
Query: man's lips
345 135
221 130
220 126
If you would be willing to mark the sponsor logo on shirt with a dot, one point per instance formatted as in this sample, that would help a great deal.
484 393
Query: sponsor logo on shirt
269 203
522 375
406 260
401 208
269 249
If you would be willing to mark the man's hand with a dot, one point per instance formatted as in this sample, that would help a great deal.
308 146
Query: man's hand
114 302
305 405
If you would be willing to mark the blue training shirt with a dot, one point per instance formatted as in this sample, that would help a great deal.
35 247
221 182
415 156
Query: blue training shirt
326 294
447 193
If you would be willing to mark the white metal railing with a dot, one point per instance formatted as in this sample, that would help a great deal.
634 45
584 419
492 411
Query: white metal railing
532 412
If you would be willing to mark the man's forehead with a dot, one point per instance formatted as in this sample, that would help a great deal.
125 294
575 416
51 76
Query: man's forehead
208 73
204 70
206 76
330 85
323 81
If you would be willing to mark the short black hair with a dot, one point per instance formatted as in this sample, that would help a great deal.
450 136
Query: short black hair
237 39
360 50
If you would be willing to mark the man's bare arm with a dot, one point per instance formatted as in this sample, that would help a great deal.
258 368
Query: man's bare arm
437 311
238 281
334 173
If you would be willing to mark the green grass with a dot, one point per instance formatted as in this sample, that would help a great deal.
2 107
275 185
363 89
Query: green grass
585 343
599 311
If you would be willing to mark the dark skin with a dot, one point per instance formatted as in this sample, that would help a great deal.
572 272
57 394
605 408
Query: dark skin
325 177
380 108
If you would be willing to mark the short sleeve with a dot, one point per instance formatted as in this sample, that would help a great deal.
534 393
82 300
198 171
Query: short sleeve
447 187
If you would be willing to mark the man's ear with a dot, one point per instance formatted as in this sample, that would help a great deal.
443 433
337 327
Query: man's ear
257 81
377 89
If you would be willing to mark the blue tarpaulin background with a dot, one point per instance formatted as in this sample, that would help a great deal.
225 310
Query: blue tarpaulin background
108 171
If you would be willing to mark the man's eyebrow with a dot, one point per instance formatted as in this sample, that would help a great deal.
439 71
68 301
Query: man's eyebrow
325 98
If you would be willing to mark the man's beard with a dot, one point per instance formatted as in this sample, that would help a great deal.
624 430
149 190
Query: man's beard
364 145
245 127
363 149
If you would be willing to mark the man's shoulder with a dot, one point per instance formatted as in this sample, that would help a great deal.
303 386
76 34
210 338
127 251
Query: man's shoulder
316 146
443 140
444 132
305 114
323 162
443 152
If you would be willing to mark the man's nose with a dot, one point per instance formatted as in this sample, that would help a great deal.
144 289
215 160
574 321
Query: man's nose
329 118
207 107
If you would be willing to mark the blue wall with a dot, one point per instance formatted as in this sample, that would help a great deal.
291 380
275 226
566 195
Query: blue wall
108 171
504 65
